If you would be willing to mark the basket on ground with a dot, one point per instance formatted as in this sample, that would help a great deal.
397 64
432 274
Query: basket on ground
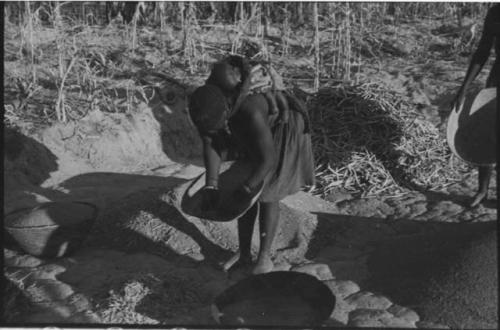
53 229
275 299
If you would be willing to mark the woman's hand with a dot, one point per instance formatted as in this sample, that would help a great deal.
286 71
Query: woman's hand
243 194
458 101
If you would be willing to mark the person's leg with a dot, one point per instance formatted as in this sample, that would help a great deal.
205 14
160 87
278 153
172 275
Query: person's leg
245 231
484 182
268 222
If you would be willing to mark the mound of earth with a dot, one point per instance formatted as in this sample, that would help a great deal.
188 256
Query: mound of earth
153 135
51 163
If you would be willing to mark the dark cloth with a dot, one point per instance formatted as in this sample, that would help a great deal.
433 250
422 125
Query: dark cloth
294 167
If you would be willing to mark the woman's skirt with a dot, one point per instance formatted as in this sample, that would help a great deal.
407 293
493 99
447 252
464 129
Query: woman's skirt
294 168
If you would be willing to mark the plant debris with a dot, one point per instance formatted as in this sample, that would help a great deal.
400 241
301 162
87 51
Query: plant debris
370 140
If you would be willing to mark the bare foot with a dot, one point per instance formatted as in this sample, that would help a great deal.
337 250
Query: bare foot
478 198
264 265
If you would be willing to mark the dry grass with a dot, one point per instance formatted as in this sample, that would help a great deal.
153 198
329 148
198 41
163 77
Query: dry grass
14 301
80 70
148 299
10 301
370 140
84 55
120 307
63 71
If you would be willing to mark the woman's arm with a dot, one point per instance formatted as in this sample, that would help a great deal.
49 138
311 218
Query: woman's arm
212 161
478 60
254 132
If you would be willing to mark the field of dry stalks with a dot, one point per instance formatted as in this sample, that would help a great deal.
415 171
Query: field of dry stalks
360 67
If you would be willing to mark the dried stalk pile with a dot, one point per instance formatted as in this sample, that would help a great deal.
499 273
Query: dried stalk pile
370 140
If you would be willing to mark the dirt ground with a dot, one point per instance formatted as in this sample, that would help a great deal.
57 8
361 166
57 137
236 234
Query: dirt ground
145 262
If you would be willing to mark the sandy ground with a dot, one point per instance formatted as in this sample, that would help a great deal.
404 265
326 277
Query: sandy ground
386 252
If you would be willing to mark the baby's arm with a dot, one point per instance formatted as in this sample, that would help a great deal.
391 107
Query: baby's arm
270 97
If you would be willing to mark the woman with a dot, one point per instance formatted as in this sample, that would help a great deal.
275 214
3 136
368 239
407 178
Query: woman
490 36
280 153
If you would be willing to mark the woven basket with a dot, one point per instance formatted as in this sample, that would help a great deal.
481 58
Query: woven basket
232 176
472 129
275 299
53 229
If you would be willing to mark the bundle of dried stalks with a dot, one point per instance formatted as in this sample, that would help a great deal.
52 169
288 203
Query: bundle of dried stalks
370 140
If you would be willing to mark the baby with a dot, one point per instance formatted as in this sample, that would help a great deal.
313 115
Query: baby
235 74
267 81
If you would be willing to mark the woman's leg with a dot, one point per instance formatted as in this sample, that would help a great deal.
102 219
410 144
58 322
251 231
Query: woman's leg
245 230
268 222
484 182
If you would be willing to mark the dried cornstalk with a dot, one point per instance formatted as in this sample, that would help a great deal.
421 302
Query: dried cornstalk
60 104
316 47
370 140
29 17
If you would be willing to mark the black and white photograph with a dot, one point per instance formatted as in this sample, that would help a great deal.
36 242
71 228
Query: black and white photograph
250 165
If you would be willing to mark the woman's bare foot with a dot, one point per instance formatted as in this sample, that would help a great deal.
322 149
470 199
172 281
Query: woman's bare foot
478 198
264 265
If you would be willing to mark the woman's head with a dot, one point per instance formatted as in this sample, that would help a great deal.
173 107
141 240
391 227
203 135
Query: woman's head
208 108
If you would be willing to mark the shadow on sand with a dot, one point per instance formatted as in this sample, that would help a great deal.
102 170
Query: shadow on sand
30 164
405 260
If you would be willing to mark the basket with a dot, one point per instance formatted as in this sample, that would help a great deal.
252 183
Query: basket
472 129
232 176
275 299
53 229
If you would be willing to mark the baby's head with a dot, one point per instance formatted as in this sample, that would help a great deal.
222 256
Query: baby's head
225 75
229 73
